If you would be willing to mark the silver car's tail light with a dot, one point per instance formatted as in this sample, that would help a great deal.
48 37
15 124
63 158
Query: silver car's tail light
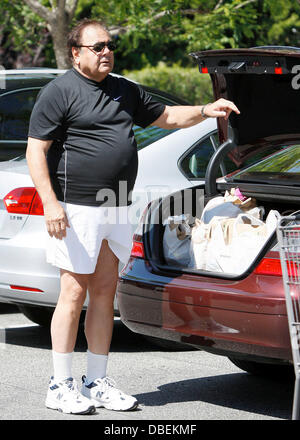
28 289
23 201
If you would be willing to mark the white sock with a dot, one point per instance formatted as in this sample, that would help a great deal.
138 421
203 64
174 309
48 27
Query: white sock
96 366
62 363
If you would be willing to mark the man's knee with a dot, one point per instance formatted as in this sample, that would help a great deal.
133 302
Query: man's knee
73 287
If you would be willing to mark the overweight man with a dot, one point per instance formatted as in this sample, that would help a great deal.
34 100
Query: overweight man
81 142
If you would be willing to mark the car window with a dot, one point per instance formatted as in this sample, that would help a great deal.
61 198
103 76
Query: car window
145 136
215 139
257 156
148 135
193 164
283 167
15 110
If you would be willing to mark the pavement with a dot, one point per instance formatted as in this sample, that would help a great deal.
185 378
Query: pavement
185 386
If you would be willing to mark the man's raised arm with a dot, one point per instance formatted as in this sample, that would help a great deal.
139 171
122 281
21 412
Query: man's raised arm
189 115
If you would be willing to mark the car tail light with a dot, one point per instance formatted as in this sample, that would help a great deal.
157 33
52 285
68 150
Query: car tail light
272 266
137 250
269 266
37 206
203 68
28 289
23 201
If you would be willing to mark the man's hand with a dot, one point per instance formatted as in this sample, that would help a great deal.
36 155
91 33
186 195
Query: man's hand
220 109
56 220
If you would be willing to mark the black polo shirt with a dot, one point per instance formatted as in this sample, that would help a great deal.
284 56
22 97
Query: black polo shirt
94 150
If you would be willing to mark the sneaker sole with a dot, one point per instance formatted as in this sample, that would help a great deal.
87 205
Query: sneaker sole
109 406
90 410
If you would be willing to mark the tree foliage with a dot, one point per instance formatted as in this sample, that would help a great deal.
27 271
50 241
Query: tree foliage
149 31
186 83
23 35
167 30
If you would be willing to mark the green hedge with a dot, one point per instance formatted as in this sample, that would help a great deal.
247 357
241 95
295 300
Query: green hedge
186 83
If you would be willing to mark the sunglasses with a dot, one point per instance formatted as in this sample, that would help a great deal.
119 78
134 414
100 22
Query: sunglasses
98 47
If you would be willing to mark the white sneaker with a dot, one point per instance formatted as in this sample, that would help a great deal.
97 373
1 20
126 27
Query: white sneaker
65 397
103 393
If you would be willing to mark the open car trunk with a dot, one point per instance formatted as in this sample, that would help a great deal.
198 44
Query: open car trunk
262 83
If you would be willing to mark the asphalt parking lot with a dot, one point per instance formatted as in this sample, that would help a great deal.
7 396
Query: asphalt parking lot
171 386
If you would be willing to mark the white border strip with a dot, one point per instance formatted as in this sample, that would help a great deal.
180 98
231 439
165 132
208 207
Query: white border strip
32 71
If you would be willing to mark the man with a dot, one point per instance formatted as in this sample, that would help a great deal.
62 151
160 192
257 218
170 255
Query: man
81 142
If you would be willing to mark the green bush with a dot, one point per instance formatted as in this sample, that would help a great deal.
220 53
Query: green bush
186 83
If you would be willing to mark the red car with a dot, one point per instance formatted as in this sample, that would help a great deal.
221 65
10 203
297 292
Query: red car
239 315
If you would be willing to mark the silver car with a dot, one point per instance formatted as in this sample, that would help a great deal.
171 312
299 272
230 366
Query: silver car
169 160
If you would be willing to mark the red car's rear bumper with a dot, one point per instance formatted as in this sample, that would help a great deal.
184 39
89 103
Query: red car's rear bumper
240 318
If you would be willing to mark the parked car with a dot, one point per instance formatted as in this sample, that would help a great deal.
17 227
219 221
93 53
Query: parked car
238 315
18 92
168 160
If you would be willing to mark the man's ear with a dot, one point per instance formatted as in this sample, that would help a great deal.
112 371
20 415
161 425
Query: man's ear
76 53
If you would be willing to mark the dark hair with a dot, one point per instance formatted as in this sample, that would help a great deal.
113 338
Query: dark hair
74 37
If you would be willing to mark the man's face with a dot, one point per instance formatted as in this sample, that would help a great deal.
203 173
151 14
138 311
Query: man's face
93 65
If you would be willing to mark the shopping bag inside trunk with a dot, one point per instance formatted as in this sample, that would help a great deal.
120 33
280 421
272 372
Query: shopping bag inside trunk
177 241
230 245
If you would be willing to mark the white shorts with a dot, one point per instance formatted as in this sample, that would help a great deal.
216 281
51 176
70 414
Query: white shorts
89 225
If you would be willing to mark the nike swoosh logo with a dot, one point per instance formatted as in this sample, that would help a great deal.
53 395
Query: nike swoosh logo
117 99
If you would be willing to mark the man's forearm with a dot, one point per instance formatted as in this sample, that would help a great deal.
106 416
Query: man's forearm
38 168
188 115
55 216
181 116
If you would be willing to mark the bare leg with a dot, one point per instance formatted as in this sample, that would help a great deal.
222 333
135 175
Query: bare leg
101 286
63 393
65 320
98 330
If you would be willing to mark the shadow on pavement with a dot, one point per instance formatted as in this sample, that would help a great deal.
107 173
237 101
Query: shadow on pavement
8 308
239 391
39 337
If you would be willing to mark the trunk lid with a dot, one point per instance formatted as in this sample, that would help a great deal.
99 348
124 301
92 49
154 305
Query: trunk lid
263 83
